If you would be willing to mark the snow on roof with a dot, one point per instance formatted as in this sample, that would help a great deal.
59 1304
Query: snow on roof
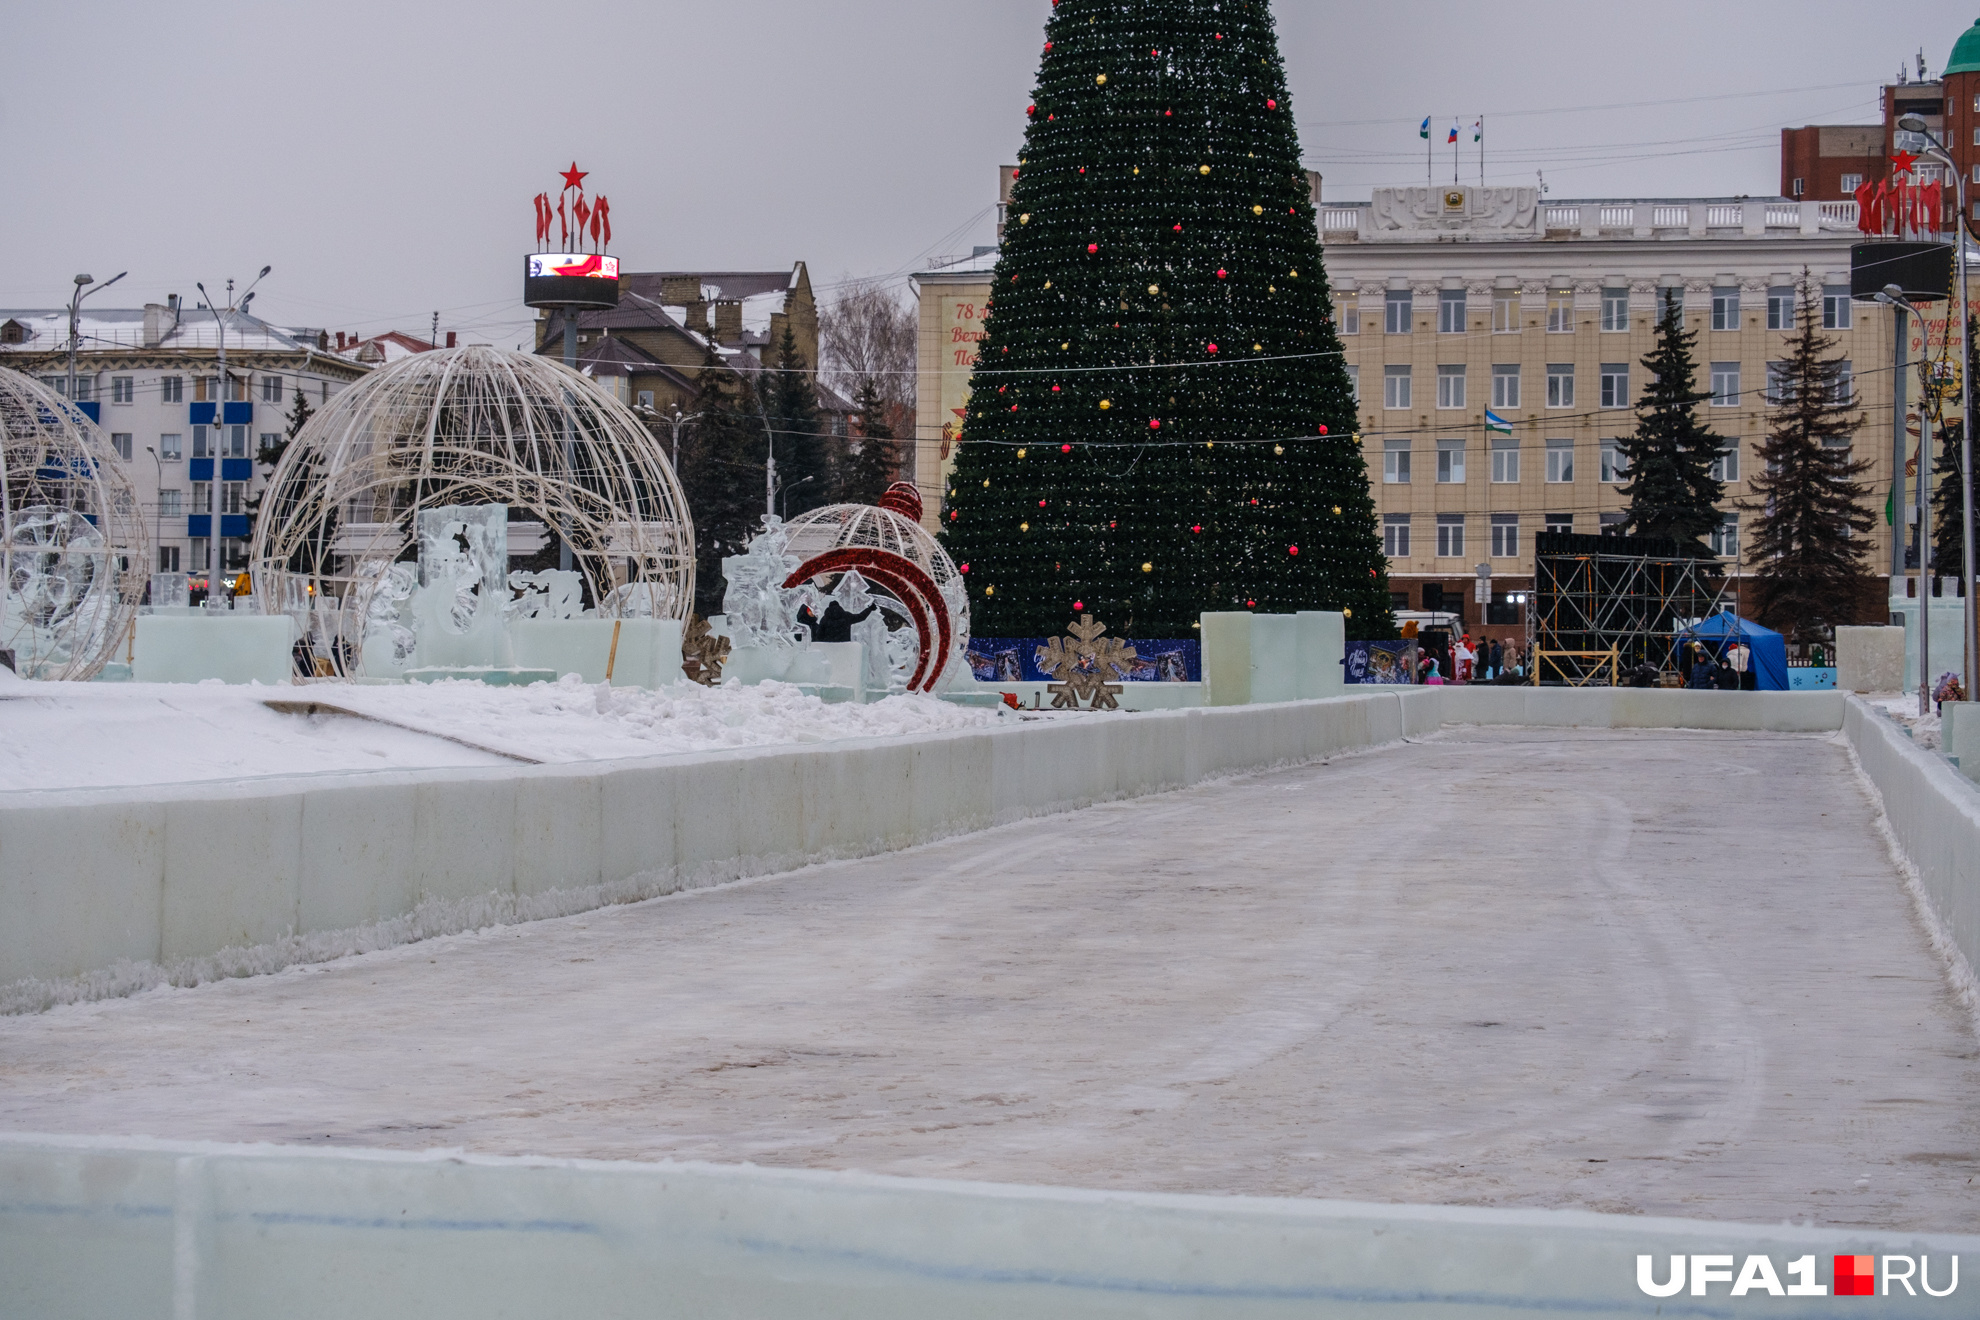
123 327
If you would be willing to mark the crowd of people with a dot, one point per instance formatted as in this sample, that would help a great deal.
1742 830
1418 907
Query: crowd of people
1488 660
1729 669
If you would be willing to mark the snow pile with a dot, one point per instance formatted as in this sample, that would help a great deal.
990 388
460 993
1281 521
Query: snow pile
570 720
1903 707
105 735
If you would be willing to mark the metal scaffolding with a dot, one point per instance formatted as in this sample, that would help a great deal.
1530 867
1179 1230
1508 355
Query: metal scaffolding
1611 603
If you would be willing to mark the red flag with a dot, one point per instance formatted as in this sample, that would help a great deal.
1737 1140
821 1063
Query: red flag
581 213
604 213
1934 204
1866 205
543 217
563 224
1880 199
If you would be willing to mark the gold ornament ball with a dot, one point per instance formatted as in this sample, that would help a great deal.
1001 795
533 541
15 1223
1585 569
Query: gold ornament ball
1154 288
1203 169
989 591
1280 449
1258 210
1025 219
1105 404
1347 613
1021 455
1024 527
1102 80
1148 568
1337 508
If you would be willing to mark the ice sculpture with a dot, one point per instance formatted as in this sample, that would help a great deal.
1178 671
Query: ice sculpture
61 591
463 586
388 641
758 609
549 594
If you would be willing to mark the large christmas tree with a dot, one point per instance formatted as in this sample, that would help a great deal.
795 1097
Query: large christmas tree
1160 422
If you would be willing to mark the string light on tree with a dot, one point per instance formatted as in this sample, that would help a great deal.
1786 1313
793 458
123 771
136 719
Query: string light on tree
1163 199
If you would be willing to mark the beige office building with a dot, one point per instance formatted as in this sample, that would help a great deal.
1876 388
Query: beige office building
1458 300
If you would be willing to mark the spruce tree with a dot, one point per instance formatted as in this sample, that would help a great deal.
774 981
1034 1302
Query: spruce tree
790 410
1948 493
1160 422
866 463
721 475
1814 529
1671 490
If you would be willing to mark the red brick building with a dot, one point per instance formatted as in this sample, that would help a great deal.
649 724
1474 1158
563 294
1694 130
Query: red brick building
1826 162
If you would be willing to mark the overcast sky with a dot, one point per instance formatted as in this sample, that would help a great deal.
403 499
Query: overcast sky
382 156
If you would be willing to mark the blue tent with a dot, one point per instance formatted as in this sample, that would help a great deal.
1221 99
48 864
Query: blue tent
1769 647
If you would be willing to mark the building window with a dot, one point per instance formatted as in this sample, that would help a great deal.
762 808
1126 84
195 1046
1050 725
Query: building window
237 388
1843 389
234 554
1354 382
236 442
121 442
202 442
1615 385
326 391
1835 307
121 390
1725 384
1560 461
171 389
168 558
646 398
1505 536
168 504
1836 442
1450 536
1395 387
1780 387
1450 462
1450 311
1560 311
1505 462
168 446
1396 311
1505 311
1450 387
1725 308
1850 183
233 496
271 389
1780 307
204 389
1726 466
1725 538
1560 384
1614 465
1796 192
1395 535
1560 524
1395 462
1615 309
1505 385
198 555
202 497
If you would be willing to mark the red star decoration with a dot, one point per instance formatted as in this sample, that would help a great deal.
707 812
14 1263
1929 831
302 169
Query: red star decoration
1903 161
574 177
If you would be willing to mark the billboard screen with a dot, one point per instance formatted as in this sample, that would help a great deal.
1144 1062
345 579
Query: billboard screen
571 265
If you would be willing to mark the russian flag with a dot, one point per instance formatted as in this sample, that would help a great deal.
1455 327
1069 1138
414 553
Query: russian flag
1454 132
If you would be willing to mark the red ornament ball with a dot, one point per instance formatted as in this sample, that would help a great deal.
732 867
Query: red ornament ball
1292 549
1048 45
1323 429
962 568
1251 602
1197 528
1055 390
1065 449
1213 348
1270 104
1031 109
1178 229
1223 274
1041 504
1092 248
1079 604
1154 423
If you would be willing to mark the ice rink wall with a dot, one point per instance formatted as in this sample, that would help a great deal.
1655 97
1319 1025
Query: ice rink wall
110 890
97 1228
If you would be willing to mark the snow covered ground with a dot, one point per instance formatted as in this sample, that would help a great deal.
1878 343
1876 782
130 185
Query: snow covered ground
1903 707
1657 972
89 735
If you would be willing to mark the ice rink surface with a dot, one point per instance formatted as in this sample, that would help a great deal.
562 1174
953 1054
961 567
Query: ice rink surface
1644 972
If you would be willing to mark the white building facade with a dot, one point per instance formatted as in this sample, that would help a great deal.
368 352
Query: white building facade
151 378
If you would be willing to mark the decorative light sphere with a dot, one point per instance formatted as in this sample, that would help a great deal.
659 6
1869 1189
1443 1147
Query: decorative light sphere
471 426
73 543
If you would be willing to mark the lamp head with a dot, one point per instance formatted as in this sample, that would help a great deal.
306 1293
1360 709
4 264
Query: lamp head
266 269
1911 123
85 279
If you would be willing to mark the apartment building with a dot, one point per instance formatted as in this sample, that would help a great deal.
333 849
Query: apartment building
150 377
1457 301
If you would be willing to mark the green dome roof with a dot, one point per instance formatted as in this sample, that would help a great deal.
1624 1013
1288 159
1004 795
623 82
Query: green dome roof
1966 52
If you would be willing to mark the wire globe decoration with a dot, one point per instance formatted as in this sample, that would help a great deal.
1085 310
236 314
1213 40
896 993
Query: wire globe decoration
891 529
72 540
468 426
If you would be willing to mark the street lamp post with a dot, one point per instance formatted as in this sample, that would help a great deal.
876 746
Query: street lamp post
1894 297
75 318
1970 632
220 323
677 421
158 500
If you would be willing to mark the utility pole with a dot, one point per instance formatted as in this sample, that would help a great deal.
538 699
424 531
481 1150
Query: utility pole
433 338
220 322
